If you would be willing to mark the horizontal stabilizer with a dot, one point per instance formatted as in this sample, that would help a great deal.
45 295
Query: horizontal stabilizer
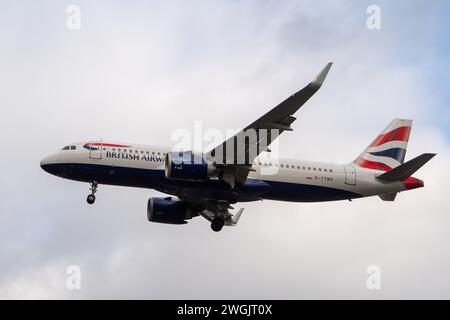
406 169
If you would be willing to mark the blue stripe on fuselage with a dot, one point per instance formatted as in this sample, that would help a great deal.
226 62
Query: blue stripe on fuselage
298 192
252 190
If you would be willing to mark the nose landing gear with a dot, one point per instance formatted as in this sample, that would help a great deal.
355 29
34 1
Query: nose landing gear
91 198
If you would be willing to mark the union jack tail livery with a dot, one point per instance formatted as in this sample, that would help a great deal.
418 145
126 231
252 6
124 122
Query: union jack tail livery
388 150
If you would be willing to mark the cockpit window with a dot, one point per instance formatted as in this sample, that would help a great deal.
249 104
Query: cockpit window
69 148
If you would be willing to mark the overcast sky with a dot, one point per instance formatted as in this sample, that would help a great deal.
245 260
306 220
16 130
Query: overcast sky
138 70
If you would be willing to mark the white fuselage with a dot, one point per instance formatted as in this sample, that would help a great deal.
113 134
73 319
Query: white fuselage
288 180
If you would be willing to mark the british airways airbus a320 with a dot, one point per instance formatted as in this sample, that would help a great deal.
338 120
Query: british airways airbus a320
208 184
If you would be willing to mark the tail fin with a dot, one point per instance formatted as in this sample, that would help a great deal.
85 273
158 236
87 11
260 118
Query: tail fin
388 150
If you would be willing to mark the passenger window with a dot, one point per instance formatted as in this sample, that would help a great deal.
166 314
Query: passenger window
331 170
282 165
114 149
314 169
320 169
325 170
304 168
309 168
148 152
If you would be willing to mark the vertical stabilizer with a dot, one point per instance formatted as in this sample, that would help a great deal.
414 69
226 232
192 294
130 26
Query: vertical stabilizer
388 150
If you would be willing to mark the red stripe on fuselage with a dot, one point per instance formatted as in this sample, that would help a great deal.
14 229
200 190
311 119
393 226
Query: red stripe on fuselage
363 163
399 134
98 144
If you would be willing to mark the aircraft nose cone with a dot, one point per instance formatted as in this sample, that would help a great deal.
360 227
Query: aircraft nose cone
52 164
45 164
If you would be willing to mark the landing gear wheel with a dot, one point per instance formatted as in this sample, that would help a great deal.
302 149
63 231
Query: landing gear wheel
93 188
90 199
217 224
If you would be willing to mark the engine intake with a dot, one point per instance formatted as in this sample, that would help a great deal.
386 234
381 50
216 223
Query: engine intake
188 166
167 210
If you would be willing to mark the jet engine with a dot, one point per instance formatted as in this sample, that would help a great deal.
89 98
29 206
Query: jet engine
169 210
188 166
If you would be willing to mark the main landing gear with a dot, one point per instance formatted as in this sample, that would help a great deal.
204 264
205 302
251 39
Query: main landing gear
93 188
217 224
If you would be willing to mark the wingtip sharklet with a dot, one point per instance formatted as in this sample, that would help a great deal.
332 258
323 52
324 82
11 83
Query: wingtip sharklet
320 78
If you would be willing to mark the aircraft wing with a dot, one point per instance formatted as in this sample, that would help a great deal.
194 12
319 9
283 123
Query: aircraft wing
247 144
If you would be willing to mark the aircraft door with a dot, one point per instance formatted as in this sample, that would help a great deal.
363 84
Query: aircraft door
95 150
350 175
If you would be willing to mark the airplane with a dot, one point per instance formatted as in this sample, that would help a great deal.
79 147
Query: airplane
207 184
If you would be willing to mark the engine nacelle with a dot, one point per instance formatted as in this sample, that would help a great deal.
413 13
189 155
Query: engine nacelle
188 166
168 210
